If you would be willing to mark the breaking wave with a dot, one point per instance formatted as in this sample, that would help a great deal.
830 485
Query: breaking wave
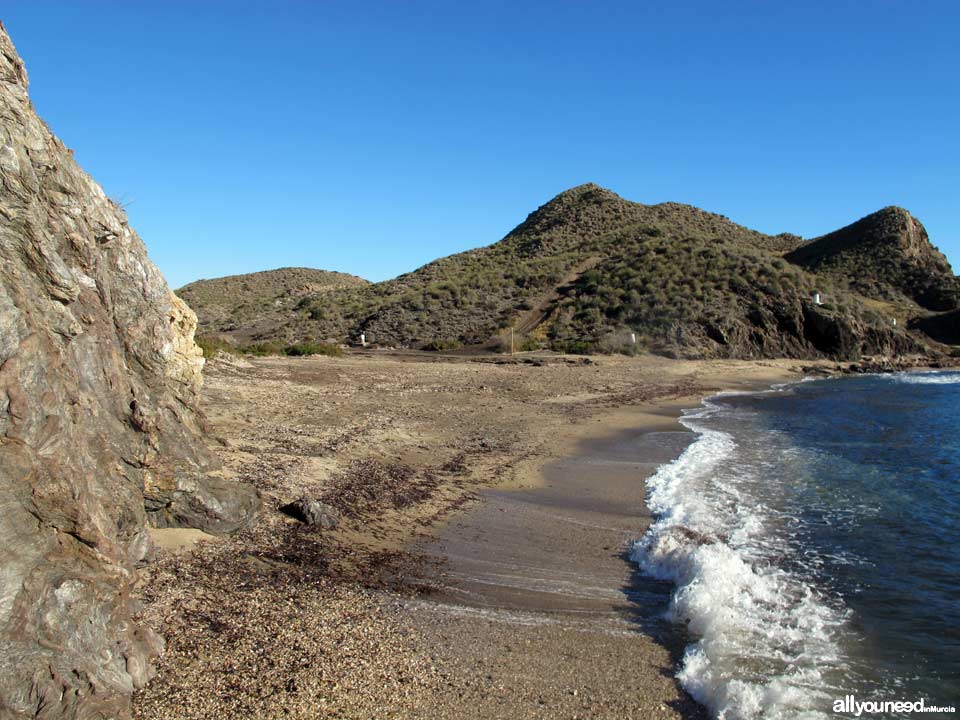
764 639
812 534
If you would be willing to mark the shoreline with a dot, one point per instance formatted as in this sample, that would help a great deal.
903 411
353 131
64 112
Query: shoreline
339 617
542 571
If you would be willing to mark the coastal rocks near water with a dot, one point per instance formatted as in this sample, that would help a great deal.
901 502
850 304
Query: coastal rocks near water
99 381
881 364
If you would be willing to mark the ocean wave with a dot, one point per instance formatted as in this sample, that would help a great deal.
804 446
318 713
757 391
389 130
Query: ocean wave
928 378
764 639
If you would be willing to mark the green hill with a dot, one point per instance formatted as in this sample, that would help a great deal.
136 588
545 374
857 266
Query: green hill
245 306
590 271
886 256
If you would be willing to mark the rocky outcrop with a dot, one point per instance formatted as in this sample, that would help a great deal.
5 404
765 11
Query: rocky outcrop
312 512
99 380
788 327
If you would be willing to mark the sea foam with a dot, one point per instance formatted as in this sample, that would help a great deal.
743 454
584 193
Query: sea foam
928 378
763 641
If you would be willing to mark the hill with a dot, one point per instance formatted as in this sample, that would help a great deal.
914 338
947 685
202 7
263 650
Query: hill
248 305
886 256
591 271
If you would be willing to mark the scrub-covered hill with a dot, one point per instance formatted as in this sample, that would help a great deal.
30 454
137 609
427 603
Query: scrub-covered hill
590 271
258 301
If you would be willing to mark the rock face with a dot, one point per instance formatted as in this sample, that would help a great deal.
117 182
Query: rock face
944 327
99 429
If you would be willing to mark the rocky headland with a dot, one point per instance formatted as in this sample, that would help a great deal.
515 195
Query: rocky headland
100 431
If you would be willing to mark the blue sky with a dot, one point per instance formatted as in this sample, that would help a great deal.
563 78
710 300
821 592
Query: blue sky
373 137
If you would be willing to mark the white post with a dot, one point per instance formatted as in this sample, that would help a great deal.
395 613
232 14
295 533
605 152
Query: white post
633 338
816 299
363 339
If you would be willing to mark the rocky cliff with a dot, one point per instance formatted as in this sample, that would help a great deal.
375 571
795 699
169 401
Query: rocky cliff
99 428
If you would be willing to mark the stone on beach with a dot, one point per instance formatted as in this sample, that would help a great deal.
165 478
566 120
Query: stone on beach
312 512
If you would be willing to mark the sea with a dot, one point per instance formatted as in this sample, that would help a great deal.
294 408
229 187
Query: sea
812 536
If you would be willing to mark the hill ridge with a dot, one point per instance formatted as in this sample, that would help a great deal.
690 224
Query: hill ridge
588 270
887 256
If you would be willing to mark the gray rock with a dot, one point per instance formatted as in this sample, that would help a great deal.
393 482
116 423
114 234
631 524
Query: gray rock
99 382
312 512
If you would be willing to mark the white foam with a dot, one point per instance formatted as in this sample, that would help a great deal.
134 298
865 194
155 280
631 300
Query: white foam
764 640
928 378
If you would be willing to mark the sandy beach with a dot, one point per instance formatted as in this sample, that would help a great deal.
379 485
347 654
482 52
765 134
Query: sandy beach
479 567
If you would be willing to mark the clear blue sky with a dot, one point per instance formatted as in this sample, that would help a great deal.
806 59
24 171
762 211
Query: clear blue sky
373 137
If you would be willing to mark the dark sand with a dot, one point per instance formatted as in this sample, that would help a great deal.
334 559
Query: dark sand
569 628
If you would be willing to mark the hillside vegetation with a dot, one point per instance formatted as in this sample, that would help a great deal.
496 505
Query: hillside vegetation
886 256
257 303
590 271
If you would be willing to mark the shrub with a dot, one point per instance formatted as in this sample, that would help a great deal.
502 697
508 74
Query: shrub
261 349
312 348
574 347
529 344
212 345
618 342
441 345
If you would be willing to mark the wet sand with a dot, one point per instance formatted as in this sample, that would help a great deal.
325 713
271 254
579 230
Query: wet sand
559 548
538 595
568 627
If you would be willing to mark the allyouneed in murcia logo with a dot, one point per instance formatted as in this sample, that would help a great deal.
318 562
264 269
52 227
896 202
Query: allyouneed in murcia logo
850 704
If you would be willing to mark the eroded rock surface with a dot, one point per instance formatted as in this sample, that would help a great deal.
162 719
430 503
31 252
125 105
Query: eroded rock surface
99 380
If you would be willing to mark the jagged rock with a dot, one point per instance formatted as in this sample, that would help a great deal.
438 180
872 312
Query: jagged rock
312 512
99 381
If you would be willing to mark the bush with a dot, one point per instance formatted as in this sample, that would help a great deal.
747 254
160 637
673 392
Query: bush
261 349
312 348
618 342
529 344
575 347
441 345
212 345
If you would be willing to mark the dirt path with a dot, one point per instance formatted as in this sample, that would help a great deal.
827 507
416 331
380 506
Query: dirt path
531 319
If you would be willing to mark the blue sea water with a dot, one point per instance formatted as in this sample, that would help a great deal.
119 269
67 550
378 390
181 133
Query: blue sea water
813 536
